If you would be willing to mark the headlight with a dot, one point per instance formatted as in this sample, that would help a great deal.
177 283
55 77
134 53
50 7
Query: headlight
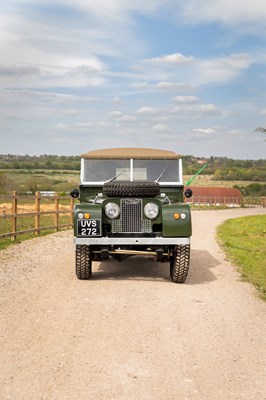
112 210
151 210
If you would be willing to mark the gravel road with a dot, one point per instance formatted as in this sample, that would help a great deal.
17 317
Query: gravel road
130 333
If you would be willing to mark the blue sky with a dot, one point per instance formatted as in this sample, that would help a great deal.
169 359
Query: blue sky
187 76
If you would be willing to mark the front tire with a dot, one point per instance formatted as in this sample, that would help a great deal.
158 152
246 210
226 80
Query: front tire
83 262
179 263
131 189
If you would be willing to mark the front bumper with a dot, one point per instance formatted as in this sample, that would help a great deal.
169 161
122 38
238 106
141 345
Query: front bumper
137 241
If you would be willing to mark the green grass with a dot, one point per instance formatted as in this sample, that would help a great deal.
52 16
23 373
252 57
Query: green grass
36 180
25 223
207 180
244 242
27 204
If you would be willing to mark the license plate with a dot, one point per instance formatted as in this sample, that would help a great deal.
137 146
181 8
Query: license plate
89 227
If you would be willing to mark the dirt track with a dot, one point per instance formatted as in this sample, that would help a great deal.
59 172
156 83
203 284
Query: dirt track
130 333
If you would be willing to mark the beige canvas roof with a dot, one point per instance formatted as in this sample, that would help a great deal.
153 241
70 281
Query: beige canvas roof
131 152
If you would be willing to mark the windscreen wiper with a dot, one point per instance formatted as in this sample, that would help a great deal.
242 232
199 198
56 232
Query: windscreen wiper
162 174
114 177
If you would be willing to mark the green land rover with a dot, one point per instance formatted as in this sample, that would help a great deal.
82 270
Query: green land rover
132 203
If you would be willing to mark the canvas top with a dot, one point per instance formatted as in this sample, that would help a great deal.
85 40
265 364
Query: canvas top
131 152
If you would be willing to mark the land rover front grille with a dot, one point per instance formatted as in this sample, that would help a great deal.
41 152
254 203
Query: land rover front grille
131 220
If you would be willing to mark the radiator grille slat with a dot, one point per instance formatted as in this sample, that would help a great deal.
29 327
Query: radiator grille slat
131 215
131 220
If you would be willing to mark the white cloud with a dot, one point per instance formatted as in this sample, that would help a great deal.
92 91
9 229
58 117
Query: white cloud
117 100
119 116
222 69
235 132
91 124
116 114
17 71
68 112
210 70
173 86
83 70
52 54
226 11
186 99
197 71
263 112
61 126
147 111
175 59
209 109
160 128
137 67
140 85
58 79
206 131
198 110
127 118
230 12
24 95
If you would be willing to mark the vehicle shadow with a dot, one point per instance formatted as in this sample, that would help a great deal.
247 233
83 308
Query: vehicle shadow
200 270
145 268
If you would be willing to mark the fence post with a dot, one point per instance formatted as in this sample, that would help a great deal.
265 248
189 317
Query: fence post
37 213
14 215
56 215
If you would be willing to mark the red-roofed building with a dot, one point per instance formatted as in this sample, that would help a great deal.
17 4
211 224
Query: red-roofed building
215 195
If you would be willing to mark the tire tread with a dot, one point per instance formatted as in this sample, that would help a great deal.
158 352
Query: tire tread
131 189
179 266
83 262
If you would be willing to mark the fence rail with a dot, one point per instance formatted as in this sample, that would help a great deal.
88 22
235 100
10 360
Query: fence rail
11 230
224 201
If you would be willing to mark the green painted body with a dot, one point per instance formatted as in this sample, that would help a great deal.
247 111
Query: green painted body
176 227
88 193
166 223
95 211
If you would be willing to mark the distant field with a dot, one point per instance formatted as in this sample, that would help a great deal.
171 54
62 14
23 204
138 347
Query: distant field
206 180
63 181
36 180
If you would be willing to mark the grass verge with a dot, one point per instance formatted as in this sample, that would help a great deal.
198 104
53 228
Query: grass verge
243 240
28 223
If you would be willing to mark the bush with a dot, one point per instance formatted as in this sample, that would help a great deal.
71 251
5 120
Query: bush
253 189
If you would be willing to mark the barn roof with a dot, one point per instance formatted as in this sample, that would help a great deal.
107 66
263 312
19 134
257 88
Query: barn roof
203 191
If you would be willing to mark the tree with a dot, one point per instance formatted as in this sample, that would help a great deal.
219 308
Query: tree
260 130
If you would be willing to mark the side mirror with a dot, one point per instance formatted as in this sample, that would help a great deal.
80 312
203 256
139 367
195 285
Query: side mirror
74 193
188 193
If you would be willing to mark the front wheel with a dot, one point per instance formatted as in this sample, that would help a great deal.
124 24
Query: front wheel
83 262
179 263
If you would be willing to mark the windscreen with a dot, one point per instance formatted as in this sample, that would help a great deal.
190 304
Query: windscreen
126 170
156 170
104 170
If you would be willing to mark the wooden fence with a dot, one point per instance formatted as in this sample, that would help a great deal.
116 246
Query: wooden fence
223 201
10 207
54 210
